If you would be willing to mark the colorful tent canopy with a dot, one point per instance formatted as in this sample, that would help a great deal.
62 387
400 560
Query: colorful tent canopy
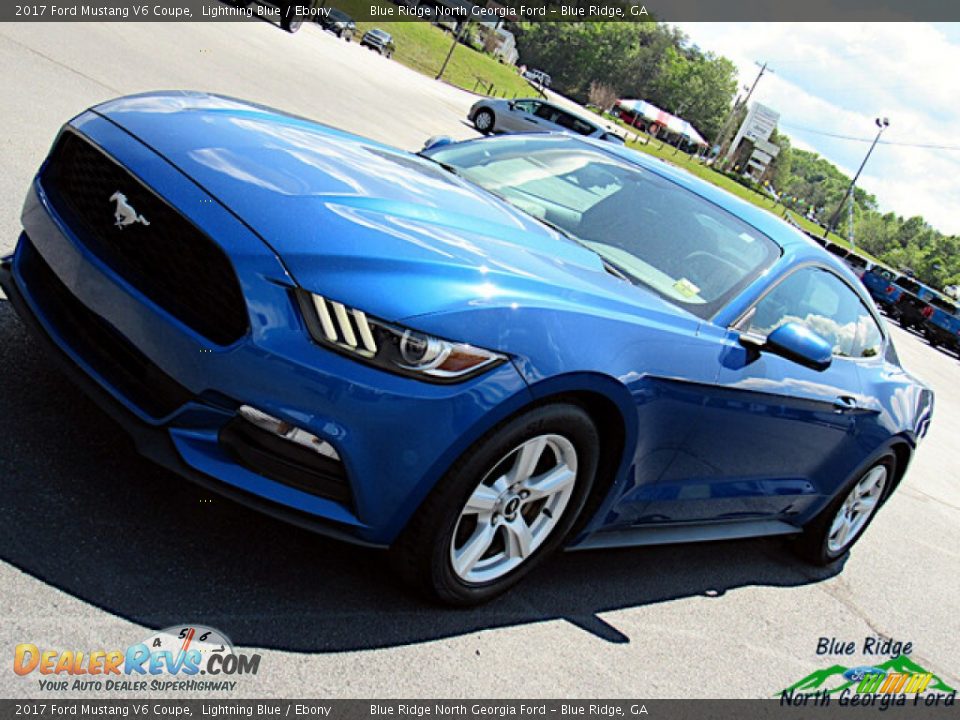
651 113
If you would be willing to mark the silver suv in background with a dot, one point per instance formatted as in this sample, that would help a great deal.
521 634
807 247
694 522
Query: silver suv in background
538 77
379 40
529 115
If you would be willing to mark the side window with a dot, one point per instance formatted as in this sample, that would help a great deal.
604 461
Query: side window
825 304
546 112
574 123
527 106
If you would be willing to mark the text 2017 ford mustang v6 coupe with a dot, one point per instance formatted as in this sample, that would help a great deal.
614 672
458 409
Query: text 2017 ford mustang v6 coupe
471 356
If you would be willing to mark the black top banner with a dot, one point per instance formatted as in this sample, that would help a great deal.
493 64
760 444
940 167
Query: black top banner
488 10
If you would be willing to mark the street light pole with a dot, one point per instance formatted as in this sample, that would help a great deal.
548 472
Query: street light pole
882 124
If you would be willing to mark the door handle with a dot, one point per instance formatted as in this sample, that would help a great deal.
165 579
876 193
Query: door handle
845 403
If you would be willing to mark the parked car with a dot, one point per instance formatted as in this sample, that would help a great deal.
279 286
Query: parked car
881 284
538 77
942 323
471 356
859 264
339 23
528 115
839 250
912 306
379 40
292 12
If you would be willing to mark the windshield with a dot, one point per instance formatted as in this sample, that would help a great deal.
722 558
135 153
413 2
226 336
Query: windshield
657 233
943 304
908 284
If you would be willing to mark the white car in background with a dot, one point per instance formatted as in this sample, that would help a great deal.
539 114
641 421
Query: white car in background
538 77
530 115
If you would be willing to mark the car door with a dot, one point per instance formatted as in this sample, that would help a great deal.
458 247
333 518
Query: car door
523 116
775 435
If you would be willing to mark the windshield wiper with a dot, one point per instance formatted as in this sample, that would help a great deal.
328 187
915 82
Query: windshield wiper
452 169
609 266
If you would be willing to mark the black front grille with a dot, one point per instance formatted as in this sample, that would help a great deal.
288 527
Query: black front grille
100 345
169 260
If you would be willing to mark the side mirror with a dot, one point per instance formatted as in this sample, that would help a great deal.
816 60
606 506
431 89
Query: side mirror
437 141
511 104
800 344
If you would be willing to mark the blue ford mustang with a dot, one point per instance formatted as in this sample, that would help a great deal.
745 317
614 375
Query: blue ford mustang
472 355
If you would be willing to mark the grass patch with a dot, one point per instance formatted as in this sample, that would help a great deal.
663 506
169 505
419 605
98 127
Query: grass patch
422 46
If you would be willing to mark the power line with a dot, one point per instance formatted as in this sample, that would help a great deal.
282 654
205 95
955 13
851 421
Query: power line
928 146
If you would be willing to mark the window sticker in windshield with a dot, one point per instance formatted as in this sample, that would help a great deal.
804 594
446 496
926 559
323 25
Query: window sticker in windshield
686 288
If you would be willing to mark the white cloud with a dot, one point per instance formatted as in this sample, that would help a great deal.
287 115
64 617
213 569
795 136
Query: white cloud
837 77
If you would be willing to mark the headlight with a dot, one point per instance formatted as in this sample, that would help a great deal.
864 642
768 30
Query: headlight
391 347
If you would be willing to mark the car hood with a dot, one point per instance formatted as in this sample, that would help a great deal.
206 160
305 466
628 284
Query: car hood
367 224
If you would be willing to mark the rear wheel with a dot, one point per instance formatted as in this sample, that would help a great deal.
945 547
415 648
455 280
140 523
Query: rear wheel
502 508
837 528
483 121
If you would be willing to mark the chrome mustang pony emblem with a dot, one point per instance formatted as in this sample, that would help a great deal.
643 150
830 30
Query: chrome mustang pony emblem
125 214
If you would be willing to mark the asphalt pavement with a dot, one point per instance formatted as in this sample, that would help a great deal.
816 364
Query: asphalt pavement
98 548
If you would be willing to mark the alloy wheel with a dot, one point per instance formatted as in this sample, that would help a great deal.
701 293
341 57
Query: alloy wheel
483 121
856 510
514 509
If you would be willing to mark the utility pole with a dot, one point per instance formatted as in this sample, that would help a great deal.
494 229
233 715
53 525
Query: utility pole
456 39
882 124
850 237
727 126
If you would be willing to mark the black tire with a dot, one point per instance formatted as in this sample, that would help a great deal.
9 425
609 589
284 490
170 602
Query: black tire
291 20
422 554
813 544
484 120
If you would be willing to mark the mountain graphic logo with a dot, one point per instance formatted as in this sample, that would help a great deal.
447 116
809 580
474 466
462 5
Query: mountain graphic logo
837 678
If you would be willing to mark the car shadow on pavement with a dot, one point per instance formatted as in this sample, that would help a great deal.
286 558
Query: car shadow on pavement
85 514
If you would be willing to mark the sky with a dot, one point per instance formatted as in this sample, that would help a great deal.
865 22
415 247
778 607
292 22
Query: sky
838 77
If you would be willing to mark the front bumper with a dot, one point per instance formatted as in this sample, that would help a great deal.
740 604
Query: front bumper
154 442
396 436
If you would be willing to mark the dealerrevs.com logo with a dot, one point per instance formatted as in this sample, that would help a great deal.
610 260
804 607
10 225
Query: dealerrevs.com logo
179 658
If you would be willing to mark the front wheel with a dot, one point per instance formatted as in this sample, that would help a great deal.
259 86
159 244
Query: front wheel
483 121
502 508
834 531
